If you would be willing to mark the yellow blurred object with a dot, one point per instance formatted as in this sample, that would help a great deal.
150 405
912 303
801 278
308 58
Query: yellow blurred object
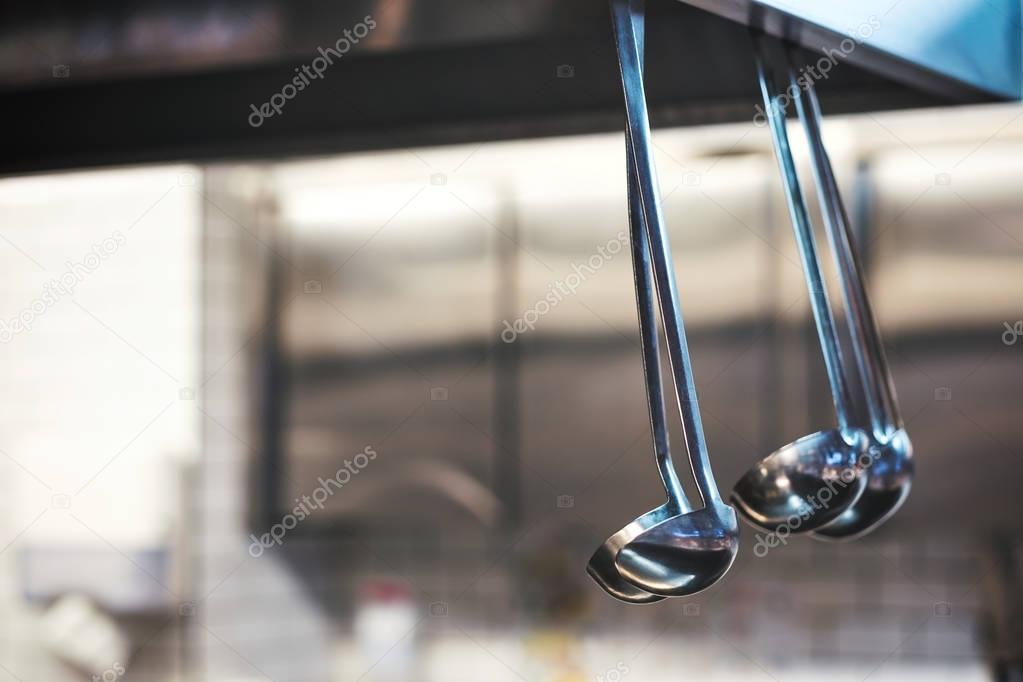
556 652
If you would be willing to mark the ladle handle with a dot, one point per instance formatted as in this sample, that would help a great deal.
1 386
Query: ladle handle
822 315
871 360
626 14
648 335
641 270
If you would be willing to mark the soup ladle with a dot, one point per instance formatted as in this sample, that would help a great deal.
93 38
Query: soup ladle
815 479
689 551
601 566
890 473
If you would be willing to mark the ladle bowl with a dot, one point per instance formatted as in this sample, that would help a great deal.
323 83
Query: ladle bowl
603 570
670 551
806 484
684 554
889 479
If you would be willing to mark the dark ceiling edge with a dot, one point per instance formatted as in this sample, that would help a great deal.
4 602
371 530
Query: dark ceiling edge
445 96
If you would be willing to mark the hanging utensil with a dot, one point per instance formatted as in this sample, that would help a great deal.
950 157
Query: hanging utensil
690 551
890 471
601 566
814 480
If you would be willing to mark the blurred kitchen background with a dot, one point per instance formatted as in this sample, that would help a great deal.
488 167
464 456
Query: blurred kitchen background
191 350
263 323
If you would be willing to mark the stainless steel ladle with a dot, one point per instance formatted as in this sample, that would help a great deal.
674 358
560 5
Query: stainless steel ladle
601 566
890 472
814 480
687 552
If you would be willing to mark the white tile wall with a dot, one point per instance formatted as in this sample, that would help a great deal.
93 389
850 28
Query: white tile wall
254 619
93 428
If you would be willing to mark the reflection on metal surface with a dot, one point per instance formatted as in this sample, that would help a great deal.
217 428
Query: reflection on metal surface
955 46
83 42
167 37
